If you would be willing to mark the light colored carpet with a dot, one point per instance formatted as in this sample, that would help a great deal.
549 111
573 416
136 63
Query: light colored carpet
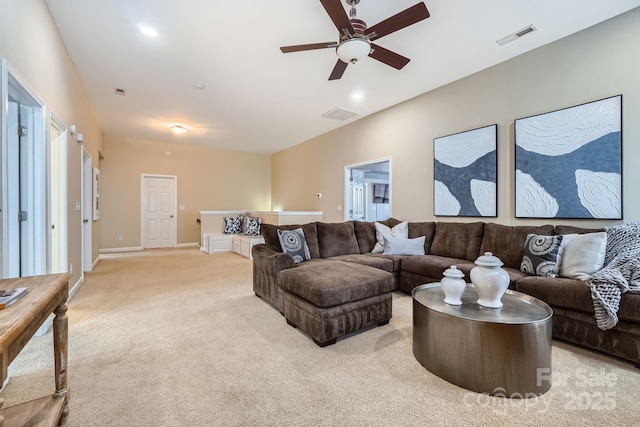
178 338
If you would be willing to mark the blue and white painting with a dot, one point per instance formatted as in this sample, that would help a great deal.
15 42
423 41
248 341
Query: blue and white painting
569 162
465 173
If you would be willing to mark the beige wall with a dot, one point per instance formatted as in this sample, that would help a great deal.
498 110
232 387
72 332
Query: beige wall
30 41
599 62
208 179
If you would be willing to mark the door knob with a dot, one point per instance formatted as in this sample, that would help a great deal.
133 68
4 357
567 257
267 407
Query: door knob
85 221
170 216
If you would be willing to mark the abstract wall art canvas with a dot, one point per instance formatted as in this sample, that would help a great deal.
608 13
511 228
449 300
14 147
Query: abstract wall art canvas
568 163
465 173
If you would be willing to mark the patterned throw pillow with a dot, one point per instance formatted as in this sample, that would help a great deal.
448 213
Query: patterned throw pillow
232 225
252 226
294 243
542 255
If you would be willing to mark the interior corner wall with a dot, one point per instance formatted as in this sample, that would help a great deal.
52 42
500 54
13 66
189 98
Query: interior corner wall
30 41
596 63
208 179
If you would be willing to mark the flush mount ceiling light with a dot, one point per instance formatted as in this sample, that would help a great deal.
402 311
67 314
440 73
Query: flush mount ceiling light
179 129
147 30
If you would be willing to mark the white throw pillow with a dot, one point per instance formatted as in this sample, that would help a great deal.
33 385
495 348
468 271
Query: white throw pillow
583 255
382 231
403 246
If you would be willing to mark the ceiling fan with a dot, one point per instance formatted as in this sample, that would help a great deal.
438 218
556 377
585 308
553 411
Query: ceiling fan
355 39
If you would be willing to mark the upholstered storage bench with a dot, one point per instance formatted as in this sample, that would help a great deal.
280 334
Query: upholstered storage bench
329 299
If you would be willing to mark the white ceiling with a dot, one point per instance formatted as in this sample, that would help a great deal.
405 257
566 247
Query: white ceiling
261 100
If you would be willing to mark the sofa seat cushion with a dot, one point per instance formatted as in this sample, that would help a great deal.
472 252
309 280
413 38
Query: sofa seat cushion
573 294
570 294
435 265
331 283
396 259
375 262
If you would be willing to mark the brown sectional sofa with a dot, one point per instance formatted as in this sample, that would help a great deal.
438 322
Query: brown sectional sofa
345 287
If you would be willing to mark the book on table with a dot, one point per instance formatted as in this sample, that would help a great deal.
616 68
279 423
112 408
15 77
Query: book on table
9 296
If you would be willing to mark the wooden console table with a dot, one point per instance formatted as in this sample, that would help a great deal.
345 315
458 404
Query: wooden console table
45 295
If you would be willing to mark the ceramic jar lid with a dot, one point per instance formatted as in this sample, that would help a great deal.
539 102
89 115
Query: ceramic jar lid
453 272
489 260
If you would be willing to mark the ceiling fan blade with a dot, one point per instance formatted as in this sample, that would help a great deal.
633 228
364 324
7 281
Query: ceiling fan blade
338 15
338 70
399 21
312 46
388 57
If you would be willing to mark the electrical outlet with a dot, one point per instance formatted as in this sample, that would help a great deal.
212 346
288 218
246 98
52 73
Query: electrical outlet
71 268
121 237
339 208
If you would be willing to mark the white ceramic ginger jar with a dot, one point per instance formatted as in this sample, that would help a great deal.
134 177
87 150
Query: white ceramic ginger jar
490 281
453 285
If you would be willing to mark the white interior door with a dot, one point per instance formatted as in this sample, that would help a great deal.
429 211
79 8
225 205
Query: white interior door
158 211
357 188
87 199
58 248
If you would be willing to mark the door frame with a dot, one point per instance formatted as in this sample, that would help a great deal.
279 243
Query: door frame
11 83
86 203
347 183
174 233
59 156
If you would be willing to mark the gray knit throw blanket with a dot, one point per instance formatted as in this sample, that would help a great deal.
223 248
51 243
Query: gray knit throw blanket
621 273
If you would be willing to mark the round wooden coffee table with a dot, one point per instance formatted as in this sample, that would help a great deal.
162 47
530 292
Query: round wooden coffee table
499 351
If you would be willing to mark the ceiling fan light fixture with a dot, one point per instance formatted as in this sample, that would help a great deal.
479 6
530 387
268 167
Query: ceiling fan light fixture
179 129
353 50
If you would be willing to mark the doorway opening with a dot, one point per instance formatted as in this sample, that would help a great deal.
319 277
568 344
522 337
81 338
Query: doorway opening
367 191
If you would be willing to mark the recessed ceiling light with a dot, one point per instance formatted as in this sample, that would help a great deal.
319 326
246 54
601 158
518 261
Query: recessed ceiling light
179 129
147 30
357 95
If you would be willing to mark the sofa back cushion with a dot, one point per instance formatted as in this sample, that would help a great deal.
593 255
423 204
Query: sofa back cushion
570 229
426 229
507 242
457 240
270 234
366 233
337 239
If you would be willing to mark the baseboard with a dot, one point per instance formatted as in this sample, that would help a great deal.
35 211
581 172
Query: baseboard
113 250
96 262
76 287
188 245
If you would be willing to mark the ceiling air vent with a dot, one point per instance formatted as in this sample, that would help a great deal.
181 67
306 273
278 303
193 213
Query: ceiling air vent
516 35
339 114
